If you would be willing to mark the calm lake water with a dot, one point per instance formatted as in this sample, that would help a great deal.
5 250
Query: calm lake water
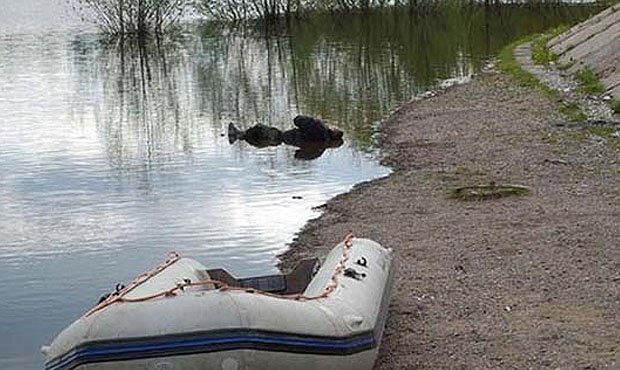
110 158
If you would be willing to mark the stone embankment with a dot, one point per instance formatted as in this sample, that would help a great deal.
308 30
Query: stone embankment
594 43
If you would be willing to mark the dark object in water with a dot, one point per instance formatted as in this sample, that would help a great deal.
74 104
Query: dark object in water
310 151
234 133
258 135
310 130
311 136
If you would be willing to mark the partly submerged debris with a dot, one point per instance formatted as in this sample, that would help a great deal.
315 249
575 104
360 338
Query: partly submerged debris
311 136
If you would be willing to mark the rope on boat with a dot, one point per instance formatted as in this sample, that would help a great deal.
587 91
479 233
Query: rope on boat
173 257
137 281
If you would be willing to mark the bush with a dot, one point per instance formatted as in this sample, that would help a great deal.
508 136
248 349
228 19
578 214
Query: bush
139 18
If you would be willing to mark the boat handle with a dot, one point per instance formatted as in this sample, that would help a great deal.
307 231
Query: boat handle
350 272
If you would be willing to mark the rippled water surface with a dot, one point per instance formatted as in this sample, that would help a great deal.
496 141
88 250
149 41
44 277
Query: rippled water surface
110 156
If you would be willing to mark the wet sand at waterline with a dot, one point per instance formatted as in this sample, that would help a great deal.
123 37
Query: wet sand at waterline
518 282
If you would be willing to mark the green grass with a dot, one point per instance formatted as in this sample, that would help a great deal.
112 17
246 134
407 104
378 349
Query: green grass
602 131
540 52
572 112
508 64
607 133
615 105
588 81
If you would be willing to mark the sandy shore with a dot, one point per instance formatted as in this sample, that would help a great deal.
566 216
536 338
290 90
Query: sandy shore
518 282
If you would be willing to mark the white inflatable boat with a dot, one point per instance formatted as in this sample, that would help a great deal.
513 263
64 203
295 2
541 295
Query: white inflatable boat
181 316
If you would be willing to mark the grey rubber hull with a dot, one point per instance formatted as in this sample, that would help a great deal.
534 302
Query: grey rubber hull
207 328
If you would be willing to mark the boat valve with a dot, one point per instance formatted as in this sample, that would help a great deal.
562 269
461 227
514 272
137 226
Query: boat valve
362 261
350 272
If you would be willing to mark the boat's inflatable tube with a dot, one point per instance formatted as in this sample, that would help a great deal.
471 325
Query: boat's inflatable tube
336 324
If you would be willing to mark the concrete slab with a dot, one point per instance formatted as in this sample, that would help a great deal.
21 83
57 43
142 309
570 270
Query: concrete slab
612 83
594 43
581 32
600 52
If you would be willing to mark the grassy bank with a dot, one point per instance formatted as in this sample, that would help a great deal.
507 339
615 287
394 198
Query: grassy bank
540 52
589 82
507 63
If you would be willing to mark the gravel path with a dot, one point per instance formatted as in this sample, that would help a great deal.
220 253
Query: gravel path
515 283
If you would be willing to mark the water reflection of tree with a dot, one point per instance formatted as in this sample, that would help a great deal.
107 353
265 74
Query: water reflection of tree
143 113
241 78
353 69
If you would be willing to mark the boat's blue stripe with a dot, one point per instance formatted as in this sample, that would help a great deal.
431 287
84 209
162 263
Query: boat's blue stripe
181 346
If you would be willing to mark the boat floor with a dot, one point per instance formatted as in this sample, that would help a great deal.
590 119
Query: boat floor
294 282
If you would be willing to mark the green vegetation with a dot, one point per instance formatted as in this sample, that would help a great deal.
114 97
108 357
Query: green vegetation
607 133
615 105
272 11
540 52
573 112
508 64
602 131
588 81
486 192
